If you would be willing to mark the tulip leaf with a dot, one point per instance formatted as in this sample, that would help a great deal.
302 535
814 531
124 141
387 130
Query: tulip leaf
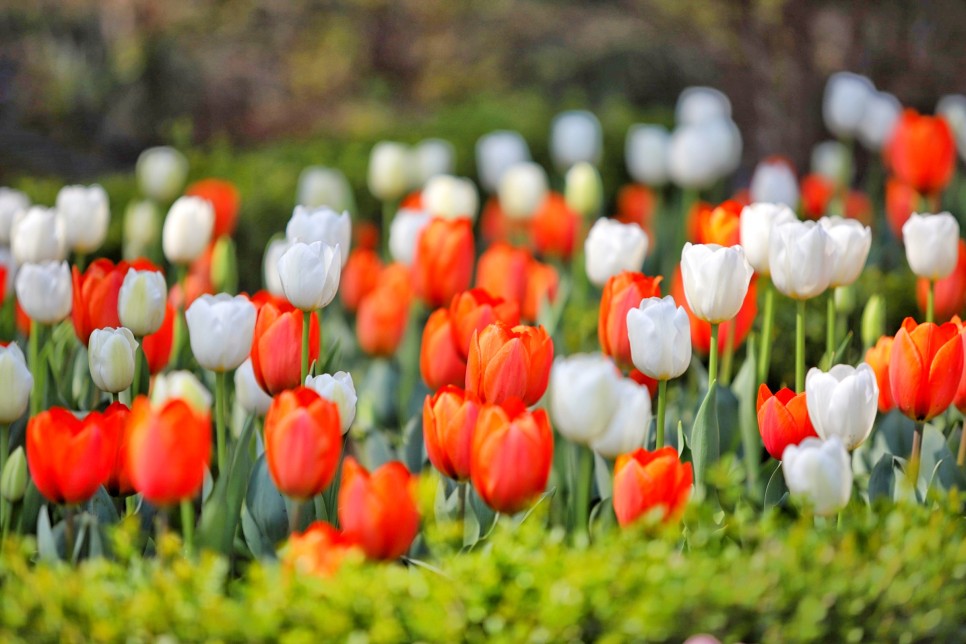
746 389
603 476
776 491
102 507
681 439
30 509
882 481
728 411
827 361
266 507
376 450
546 496
219 515
46 544
705 437
414 454
940 461
445 504
484 514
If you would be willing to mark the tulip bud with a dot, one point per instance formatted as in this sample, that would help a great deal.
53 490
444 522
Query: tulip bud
404 233
757 222
110 356
852 243
451 197
161 173
844 297
273 252
224 265
575 136
141 301
86 214
187 229
833 161
180 385
45 291
389 170
646 154
38 235
13 479
844 103
383 314
660 337
12 203
631 417
220 329
441 360
249 394
925 364
495 153
16 381
716 280
698 105
444 259
378 511
873 320
842 402
68 457
819 472
507 362
801 257
611 248
882 111
583 395
782 419
337 388
932 244
522 189
434 157
141 228
319 186
774 182
583 190
321 225
650 481
310 274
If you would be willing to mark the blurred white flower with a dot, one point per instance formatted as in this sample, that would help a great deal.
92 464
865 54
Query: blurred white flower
404 233
882 111
757 222
497 151
451 197
86 214
697 105
339 389
45 291
932 244
433 157
819 472
249 395
389 171
321 225
12 203
187 229
611 248
523 189
774 181
161 173
110 357
38 235
575 136
646 154
844 102
321 186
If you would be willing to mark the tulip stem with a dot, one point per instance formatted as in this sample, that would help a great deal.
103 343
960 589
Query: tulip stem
188 525
914 457
295 515
69 533
306 325
388 212
729 355
39 370
961 453
764 356
461 507
800 346
930 301
830 327
4 448
661 410
136 383
584 475
713 355
220 406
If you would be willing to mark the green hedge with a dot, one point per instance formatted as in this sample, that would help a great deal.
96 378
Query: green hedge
895 572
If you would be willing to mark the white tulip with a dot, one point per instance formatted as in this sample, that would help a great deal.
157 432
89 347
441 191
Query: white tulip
451 197
389 170
659 332
404 232
273 252
932 244
321 225
523 188
45 291
180 385
38 235
12 203
187 229
310 274
220 329
757 222
86 215
433 158
583 191
628 422
497 151
320 186
646 154
843 104
801 258
161 173
698 105
110 356
952 107
141 301
16 381
690 163
583 395
611 248
722 139
833 161
774 181
339 389
820 472
842 402
575 136
852 244
715 280
882 111
142 225
248 393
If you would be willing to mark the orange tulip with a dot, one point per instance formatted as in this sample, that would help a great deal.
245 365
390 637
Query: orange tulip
502 272
359 277
440 361
169 448
378 511
303 442
509 362
817 192
473 310
383 314
959 400
157 346
511 455
950 291
114 422
319 551
782 419
554 227
925 367
646 480
878 358
494 225
365 235
922 152
701 330
858 206
900 202
635 205
542 284
622 292
68 458
718 225
444 260
449 421
277 346
95 294
224 199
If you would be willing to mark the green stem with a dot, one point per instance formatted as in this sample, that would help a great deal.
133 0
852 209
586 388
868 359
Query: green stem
585 473
729 355
39 370
221 394
961 454
306 325
294 516
188 524
764 356
800 346
461 507
661 410
136 383
4 448
915 456
713 355
930 301
830 327
388 212
69 532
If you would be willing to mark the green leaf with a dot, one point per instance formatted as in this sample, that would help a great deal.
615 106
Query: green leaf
776 490
746 389
102 507
705 437
882 481
376 450
413 453
937 458
266 507
46 544
219 516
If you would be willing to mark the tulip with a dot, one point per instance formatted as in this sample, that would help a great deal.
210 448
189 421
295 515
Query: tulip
44 291
622 293
444 260
507 362
701 104
389 171
85 213
783 419
612 247
433 157
318 551
187 229
689 164
820 472
320 186
276 349
646 482
96 296
554 227
248 393
949 293
16 382
338 389
303 441
852 242
497 151
360 276
12 203
542 284
111 355
13 477
273 252
731 334
449 423
384 314
774 182
844 103
38 235
157 346
161 172
502 271
441 362
921 152
877 357
842 402
646 154
575 136
116 429
959 400
924 367
321 225
181 385
879 118
507 435
832 161
873 320
225 202
141 301
523 187
817 193
474 310
757 222
310 274
932 249
451 197
583 396
404 234
637 205
719 225
583 189
629 422
220 328
142 227
69 458
378 510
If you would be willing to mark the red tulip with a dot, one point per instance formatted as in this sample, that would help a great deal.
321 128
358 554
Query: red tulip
444 260
114 422
542 284
474 310
511 455
95 294
378 511
494 225
303 442
509 362
157 346
224 199
440 361
449 421
858 206
622 292
950 291
502 272
878 358
959 400
277 346
817 192
717 225
635 205
359 277
922 152
900 202
782 419
319 551
68 458
925 367
646 480
701 330
554 227
384 313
